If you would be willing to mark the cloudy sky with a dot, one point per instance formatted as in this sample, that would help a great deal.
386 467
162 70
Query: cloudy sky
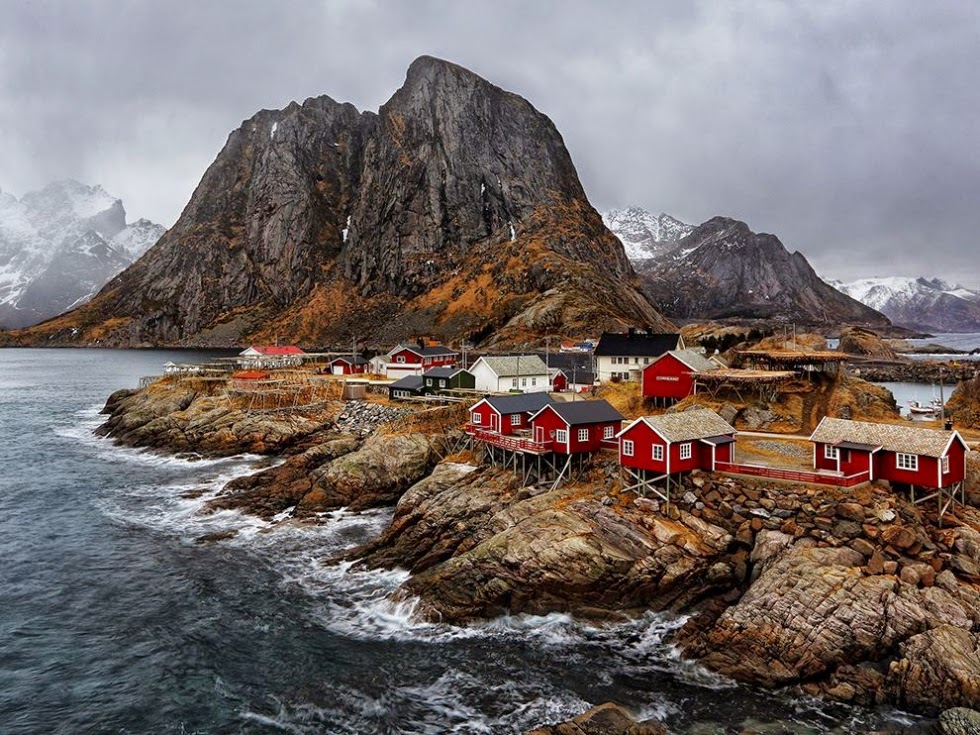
850 129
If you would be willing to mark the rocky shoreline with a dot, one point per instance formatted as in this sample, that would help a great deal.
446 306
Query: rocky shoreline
853 595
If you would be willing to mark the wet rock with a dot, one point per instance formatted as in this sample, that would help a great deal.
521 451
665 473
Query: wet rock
605 719
958 721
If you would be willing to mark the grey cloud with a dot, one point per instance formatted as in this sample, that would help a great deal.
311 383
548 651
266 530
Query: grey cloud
847 128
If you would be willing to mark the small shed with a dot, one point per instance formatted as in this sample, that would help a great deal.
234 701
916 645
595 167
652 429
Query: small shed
449 378
348 365
411 386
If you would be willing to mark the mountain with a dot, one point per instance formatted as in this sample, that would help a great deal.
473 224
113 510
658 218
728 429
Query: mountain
455 211
930 305
724 270
60 245
645 235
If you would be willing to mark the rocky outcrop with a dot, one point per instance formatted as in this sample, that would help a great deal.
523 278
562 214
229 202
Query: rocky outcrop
724 270
958 721
455 211
938 668
865 343
605 719
192 417
964 404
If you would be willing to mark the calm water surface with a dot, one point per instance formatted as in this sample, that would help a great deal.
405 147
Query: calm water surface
113 620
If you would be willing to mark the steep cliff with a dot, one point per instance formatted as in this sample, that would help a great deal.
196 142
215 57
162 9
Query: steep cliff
724 270
455 211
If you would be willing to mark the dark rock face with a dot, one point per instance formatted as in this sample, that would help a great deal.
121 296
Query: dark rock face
455 211
724 270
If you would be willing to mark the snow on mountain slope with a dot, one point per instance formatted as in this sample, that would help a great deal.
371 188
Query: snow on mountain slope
60 245
918 303
644 235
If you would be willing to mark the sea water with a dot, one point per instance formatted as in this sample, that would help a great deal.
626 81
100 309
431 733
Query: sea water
112 618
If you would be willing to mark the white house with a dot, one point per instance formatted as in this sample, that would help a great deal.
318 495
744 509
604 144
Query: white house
501 374
623 356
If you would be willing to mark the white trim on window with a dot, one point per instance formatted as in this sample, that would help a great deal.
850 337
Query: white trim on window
685 450
608 432
945 464
829 451
515 419
561 436
583 435
476 418
627 447
657 454
907 461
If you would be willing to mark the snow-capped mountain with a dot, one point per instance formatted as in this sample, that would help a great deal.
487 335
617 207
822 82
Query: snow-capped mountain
931 305
60 245
645 235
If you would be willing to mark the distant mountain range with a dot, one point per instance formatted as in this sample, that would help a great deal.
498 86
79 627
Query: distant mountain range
929 305
60 245
722 270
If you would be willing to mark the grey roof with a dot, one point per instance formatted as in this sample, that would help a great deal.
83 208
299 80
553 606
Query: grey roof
442 372
520 402
507 366
409 382
695 360
635 344
352 360
697 423
904 439
587 412
435 351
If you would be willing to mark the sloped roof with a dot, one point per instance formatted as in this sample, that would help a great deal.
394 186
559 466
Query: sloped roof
698 423
586 412
893 438
434 351
694 360
275 351
409 382
348 359
520 402
510 366
442 372
635 344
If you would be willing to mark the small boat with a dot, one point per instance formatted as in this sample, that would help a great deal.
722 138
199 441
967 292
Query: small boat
918 409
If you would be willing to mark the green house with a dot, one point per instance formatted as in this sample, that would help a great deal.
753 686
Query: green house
448 378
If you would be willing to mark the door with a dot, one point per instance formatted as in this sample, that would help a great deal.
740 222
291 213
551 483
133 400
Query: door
539 434
338 369
495 422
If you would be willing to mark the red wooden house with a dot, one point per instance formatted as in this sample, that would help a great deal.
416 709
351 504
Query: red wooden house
670 377
576 427
348 365
506 415
424 356
559 381
908 455
698 439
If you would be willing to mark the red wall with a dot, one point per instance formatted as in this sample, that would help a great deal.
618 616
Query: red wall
925 476
551 422
957 464
348 368
668 377
644 438
560 383
410 358
484 410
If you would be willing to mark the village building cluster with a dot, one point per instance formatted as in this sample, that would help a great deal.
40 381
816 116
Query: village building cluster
518 420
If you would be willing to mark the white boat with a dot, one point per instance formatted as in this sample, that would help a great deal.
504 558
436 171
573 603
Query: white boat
917 409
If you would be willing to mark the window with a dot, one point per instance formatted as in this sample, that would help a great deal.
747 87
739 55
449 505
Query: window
829 451
658 452
523 382
476 419
608 432
561 436
583 435
686 450
627 448
946 464
534 381
428 381
400 359
513 383
907 461
515 419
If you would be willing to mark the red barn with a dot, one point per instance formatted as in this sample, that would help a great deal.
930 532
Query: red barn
670 377
348 365
577 427
909 455
505 415
677 442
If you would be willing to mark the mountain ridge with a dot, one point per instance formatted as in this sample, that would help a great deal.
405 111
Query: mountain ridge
454 211
919 303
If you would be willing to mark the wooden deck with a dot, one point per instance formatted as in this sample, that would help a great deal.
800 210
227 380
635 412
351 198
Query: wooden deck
813 478
511 443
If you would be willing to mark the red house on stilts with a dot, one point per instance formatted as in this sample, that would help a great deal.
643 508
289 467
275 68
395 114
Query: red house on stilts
670 377
654 448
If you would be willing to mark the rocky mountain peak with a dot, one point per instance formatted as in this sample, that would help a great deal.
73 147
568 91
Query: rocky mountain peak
644 235
454 211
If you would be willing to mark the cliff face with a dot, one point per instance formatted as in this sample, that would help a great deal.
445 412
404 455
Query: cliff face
455 211
722 270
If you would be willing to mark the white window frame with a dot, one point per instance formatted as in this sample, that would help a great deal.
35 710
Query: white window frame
428 381
400 359
515 419
561 436
908 462
534 381
829 451
628 447
583 435
523 382
608 432
657 453
476 418
945 464
513 382
685 450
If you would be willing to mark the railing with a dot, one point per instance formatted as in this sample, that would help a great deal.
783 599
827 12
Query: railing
511 443
812 478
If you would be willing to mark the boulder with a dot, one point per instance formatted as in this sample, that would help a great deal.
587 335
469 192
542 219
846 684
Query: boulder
958 721
937 669
605 719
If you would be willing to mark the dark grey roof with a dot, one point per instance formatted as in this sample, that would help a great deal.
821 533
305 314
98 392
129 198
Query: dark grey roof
635 344
587 412
409 382
352 360
442 372
520 402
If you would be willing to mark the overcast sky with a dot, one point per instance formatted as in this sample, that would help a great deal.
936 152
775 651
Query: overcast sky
850 129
